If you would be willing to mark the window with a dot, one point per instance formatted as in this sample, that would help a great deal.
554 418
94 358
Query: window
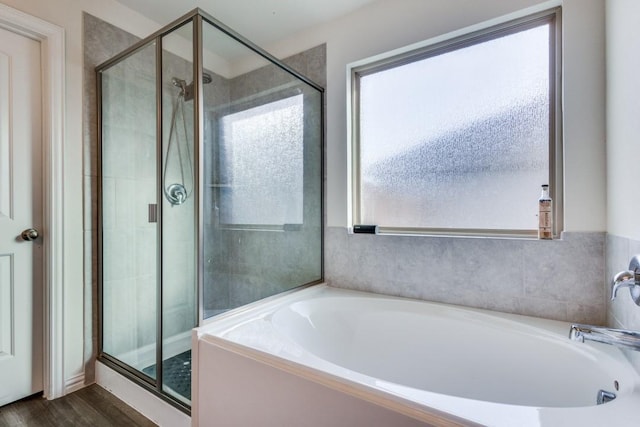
458 137
262 164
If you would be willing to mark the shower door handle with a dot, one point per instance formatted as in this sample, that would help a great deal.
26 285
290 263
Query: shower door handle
30 234
153 212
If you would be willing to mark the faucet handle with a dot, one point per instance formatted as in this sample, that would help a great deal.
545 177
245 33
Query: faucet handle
624 279
628 279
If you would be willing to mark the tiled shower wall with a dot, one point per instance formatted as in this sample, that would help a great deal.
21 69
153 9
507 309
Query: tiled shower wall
101 42
244 265
559 279
623 313
128 185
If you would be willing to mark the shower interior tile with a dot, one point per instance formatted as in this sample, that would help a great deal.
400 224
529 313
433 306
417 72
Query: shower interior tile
145 251
125 201
120 328
118 160
118 254
146 312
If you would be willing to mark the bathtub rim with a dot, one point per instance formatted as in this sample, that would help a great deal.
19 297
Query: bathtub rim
389 401
369 394
213 333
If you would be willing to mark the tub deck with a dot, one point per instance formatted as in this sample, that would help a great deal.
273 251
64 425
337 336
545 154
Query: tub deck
326 356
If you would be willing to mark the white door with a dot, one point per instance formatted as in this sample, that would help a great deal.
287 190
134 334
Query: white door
20 209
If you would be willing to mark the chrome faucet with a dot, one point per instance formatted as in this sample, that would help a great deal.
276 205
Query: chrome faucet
617 337
624 279
628 279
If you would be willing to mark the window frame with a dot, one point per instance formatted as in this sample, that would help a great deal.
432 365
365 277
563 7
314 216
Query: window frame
450 42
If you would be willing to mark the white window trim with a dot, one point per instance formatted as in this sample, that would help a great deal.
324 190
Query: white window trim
556 157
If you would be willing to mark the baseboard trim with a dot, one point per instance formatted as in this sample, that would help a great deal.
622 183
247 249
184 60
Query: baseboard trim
74 383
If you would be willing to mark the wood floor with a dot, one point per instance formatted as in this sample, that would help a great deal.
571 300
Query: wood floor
92 406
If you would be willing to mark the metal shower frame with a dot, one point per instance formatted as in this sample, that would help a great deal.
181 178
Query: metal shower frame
196 17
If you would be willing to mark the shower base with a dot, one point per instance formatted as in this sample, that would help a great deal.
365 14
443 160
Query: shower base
176 373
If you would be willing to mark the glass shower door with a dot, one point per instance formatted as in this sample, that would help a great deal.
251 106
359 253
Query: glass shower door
262 174
148 205
129 232
179 233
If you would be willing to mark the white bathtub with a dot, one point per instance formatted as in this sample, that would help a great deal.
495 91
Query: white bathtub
326 356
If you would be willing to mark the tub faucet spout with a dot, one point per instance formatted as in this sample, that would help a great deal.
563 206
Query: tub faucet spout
616 337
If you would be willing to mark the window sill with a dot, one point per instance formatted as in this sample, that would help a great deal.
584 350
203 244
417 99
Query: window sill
460 233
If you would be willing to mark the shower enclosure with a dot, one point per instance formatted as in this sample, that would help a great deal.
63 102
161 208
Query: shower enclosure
210 192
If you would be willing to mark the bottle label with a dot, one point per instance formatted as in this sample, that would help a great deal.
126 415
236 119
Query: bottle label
545 220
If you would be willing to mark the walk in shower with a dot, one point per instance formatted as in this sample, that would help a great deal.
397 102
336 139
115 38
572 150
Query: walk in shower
210 192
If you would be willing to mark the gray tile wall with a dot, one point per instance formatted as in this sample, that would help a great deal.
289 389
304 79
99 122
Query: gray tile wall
559 279
129 185
242 266
622 313
178 222
101 42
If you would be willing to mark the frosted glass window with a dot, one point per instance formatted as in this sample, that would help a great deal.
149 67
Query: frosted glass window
262 164
457 138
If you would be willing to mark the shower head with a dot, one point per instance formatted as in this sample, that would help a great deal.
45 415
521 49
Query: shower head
182 84
186 90
206 79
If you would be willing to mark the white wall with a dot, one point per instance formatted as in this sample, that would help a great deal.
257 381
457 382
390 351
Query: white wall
584 115
623 149
623 118
68 14
390 24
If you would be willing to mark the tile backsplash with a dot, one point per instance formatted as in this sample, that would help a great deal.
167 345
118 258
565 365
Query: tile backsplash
562 279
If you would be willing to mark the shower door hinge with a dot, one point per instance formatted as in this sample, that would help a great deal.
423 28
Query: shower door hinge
153 212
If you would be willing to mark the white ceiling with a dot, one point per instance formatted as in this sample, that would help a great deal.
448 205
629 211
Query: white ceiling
261 21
